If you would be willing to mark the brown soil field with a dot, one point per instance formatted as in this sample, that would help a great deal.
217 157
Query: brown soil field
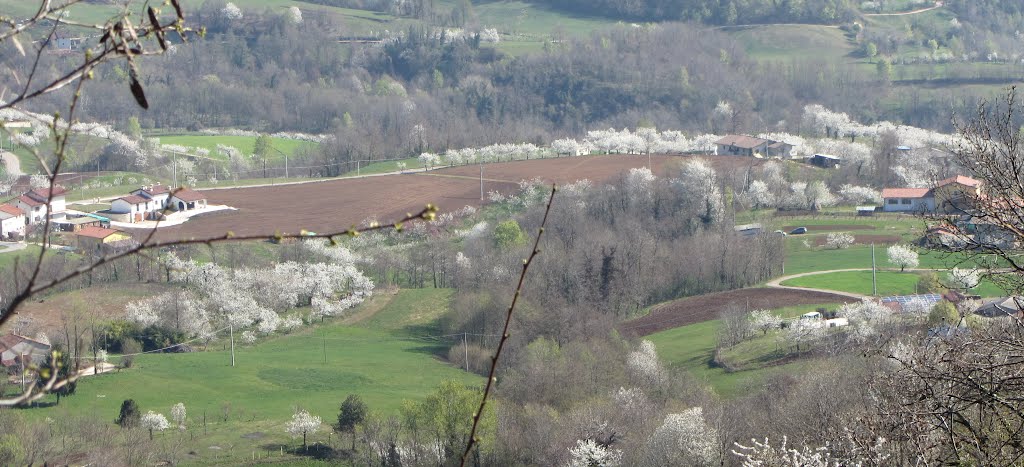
701 308
864 239
337 205
828 228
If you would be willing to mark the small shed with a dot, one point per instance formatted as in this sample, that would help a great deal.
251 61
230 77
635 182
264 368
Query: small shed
78 223
827 161
866 210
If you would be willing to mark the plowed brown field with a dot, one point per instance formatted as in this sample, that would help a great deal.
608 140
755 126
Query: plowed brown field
338 204
701 308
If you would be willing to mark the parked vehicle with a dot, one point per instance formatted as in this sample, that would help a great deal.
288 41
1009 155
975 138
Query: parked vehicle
799 230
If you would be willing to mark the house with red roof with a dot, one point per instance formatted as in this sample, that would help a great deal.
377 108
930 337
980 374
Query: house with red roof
98 240
185 199
742 145
34 204
159 194
18 350
136 208
948 195
12 221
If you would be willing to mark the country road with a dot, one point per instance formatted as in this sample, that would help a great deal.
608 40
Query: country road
777 282
922 10
11 163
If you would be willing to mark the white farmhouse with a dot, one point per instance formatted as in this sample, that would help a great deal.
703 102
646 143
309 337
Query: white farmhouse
134 206
33 204
159 194
12 221
185 199
907 200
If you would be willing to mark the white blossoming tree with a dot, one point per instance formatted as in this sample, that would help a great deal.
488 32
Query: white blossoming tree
587 453
303 424
684 439
765 320
839 240
964 279
643 365
231 12
902 256
178 414
153 421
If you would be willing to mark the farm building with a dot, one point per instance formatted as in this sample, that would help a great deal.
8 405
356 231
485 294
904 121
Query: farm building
1006 306
187 200
949 196
742 145
907 200
74 224
98 239
780 149
825 160
12 221
160 195
135 208
33 204
15 349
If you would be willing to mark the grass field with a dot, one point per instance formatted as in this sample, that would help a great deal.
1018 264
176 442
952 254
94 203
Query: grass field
7 259
692 348
385 167
785 41
245 144
889 283
385 358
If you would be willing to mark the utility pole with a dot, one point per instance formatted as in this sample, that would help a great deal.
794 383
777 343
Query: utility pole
231 329
874 275
481 181
323 337
465 346
174 169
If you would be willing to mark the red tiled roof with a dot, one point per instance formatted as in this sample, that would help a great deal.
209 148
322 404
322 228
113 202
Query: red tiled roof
153 190
39 196
96 232
742 141
134 199
10 340
904 192
960 179
188 195
32 202
12 210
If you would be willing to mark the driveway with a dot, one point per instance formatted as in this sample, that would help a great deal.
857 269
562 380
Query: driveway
11 247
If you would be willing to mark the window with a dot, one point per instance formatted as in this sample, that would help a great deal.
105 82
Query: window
904 201
894 201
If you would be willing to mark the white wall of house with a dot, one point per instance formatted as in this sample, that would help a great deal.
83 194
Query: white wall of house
908 204
123 207
11 224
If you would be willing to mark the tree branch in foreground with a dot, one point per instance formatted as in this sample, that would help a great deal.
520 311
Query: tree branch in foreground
472 441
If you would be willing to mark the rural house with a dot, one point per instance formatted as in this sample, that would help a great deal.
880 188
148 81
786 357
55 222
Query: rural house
186 200
742 145
12 222
136 208
15 350
1006 306
97 240
159 194
780 149
33 204
948 196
